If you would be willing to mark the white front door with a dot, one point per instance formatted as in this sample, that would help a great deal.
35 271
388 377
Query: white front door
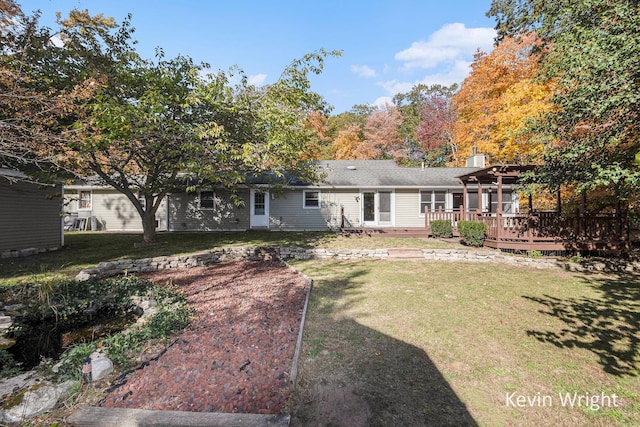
259 209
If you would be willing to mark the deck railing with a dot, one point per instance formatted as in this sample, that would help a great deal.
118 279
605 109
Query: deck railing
544 229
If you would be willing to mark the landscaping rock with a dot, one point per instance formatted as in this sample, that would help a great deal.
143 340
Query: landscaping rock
39 400
101 366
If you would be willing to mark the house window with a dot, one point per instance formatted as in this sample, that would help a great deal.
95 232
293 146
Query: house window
311 200
434 200
143 201
425 201
439 200
207 200
84 200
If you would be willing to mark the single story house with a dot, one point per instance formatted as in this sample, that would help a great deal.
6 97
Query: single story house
30 215
354 193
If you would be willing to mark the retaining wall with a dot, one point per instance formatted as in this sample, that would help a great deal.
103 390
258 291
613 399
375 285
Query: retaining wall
114 268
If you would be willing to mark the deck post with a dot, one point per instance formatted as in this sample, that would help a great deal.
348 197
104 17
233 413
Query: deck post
558 202
341 216
426 218
479 209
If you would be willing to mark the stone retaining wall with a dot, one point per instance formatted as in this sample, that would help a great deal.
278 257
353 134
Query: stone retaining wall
113 268
19 253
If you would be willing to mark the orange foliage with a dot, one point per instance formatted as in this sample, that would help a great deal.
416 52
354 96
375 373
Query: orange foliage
498 100
346 145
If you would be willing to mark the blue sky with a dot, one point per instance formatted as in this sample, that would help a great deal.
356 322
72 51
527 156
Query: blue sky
388 46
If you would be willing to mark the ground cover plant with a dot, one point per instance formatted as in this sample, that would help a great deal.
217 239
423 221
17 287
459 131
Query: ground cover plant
86 249
66 309
417 343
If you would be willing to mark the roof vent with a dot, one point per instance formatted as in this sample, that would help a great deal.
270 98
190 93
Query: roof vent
351 168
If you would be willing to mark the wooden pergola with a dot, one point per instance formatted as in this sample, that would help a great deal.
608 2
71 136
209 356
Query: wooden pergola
535 230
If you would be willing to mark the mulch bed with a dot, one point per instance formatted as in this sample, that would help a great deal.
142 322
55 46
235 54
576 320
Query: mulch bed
236 356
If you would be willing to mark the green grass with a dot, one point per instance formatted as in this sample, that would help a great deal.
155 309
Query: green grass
427 343
86 249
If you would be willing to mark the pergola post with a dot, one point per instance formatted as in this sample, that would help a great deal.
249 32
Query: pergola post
464 201
479 210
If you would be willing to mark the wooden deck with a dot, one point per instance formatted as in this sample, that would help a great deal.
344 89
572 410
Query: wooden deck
536 231
355 232
547 231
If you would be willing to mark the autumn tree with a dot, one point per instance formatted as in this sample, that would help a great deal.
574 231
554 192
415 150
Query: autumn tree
346 131
500 100
382 135
412 103
319 146
137 124
592 56
346 144
434 132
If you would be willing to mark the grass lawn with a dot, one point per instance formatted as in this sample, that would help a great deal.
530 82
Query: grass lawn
427 343
86 249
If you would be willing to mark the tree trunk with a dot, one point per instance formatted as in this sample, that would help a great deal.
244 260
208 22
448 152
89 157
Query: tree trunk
149 228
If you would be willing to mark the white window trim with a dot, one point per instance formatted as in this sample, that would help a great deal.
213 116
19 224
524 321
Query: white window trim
200 200
90 200
448 200
304 199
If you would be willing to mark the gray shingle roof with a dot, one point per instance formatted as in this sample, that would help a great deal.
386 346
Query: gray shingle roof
385 173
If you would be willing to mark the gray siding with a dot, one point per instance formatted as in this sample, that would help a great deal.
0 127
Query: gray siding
30 216
113 211
407 213
349 201
287 212
185 214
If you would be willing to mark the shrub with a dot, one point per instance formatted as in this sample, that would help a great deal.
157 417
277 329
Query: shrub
441 228
472 232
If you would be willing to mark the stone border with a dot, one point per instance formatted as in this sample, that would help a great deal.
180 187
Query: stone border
19 253
124 266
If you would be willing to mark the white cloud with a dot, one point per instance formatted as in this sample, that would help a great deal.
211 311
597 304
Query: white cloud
383 101
257 79
393 87
363 70
56 41
447 45
454 74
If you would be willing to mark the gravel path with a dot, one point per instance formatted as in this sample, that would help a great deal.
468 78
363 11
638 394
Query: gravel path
236 356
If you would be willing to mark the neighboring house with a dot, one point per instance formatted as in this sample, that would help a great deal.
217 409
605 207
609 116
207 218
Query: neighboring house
354 193
30 215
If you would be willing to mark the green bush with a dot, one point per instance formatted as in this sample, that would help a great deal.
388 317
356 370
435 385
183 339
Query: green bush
441 228
472 232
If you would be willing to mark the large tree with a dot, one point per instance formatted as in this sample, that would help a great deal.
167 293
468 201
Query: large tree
498 102
434 132
593 51
139 125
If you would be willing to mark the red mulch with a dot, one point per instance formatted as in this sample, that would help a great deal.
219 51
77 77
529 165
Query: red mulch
236 356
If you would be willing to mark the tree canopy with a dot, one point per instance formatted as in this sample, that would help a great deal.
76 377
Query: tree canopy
592 51
139 124
499 100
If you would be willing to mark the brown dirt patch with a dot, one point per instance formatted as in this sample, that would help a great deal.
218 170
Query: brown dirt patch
236 355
